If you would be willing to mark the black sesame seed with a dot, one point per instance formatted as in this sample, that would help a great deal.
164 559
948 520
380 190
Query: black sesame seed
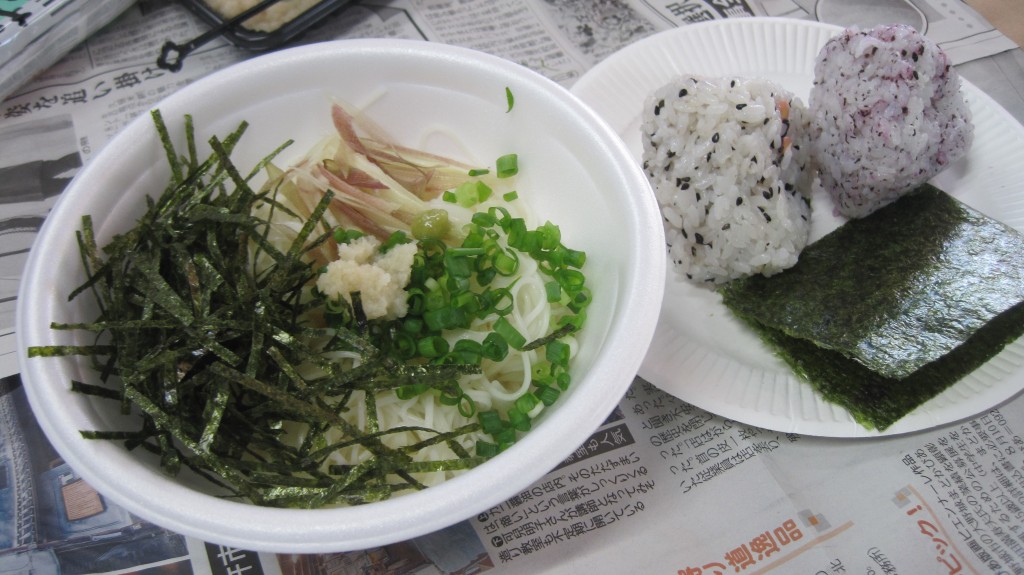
699 238
740 106
682 93
739 200
768 194
715 138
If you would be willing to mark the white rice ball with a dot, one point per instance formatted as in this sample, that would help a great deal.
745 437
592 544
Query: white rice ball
887 105
729 163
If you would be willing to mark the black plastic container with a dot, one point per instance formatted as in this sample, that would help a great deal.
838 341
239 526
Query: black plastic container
257 40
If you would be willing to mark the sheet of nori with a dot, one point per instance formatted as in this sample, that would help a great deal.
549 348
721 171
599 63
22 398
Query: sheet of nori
889 310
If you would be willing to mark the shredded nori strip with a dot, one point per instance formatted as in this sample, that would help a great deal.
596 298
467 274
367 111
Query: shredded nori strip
889 310
207 345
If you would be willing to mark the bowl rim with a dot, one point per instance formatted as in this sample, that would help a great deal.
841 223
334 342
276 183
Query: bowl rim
339 529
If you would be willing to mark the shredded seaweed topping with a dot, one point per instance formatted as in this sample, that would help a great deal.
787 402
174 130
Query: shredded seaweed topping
215 350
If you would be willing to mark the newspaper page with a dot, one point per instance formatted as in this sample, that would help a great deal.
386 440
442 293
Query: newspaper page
661 487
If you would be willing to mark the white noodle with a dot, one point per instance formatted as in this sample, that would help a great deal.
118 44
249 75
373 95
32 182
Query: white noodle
499 384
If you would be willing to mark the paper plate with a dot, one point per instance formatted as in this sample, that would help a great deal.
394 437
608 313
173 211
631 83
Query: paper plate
702 354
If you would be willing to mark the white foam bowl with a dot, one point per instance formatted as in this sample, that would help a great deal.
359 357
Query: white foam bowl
575 172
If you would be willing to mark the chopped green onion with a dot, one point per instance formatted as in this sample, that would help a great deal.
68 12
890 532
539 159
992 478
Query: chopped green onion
412 324
486 275
458 265
397 237
550 236
465 251
570 280
486 448
432 346
494 347
343 236
434 299
471 193
511 335
507 166
468 350
499 301
504 217
467 407
490 422
510 196
479 172
580 300
548 395
557 352
404 345
526 402
468 302
516 230
505 437
483 219
450 395
444 318
411 391
519 420
506 263
574 258
509 99
553 290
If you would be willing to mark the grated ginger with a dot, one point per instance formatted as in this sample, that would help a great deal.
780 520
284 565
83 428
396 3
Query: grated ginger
380 278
